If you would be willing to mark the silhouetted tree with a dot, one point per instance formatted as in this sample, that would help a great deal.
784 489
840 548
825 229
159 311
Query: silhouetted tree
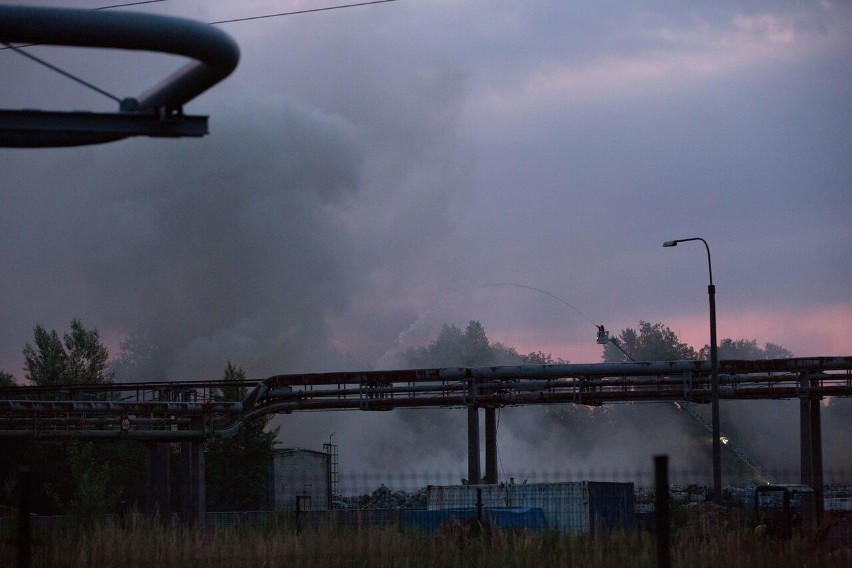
469 348
651 342
45 363
80 358
75 478
475 348
96 491
746 349
238 468
656 342
7 380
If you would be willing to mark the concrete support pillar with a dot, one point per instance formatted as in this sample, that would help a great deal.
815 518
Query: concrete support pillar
811 446
474 474
158 494
199 483
490 445
184 475
193 490
816 459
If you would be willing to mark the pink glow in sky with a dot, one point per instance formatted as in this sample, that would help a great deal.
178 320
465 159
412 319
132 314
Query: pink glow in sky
806 333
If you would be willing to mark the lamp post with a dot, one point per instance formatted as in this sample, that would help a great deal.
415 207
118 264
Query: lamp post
714 375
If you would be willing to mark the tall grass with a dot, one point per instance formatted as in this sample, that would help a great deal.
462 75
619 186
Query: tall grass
148 543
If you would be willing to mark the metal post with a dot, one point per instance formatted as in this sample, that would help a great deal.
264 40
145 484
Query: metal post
25 539
662 512
199 488
714 378
298 514
805 453
158 494
816 458
187 484
714 395
490 444
474 474
810 435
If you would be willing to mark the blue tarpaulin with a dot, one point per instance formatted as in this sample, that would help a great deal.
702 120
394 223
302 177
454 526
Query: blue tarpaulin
503 517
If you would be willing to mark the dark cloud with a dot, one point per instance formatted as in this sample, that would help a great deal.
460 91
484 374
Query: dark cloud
209 244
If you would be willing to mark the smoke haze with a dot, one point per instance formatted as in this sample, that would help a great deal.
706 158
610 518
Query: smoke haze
370 172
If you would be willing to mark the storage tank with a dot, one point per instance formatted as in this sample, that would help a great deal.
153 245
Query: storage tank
303 476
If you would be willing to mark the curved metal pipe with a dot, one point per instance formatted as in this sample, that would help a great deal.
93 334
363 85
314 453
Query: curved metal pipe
215 53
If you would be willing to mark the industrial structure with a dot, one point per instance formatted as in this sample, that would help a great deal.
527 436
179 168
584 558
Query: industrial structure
158 112
163 412
578 507
300 479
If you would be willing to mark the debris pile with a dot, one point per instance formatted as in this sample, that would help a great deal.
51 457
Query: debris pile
384 498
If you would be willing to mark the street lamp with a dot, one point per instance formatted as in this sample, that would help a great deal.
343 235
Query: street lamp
714 377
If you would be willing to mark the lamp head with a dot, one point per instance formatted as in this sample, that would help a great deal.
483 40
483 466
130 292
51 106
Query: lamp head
670 243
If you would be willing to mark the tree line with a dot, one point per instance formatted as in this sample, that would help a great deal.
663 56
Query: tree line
657 342
647 342
85 479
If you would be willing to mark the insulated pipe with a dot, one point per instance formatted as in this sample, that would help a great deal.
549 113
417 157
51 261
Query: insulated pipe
515 399
216 54
540 392
626 390
388 403
557 371
533 389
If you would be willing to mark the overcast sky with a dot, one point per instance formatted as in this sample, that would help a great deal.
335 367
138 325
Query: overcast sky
374 172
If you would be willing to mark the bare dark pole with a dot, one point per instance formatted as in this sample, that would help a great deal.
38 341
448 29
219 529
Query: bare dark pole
662 512
714 375
474 473
811 444
490 444
198 500
714 398
25 540
816 460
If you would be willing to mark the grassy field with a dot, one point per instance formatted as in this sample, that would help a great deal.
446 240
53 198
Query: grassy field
697 544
